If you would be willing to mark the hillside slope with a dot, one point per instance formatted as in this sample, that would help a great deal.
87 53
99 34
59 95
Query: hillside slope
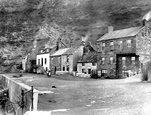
23 21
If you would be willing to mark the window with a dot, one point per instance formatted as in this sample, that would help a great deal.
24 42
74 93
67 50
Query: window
89 71
83 70
63 68
93 64
120 45
38 61
42 61
45 60
128 43
104 71
103 60
133 60
142 34
103 46
51 60
46 68
47 50
67 58
67 67
59 59
111 60
123 60
83 64
41 51
111 45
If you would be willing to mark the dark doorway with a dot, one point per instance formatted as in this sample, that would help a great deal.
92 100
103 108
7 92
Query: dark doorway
55 70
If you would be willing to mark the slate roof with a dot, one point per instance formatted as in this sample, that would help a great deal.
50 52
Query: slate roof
51 50
147 16
60 52
90 57
129 32
70 50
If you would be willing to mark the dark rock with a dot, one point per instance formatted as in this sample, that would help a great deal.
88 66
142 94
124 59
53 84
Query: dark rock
54 87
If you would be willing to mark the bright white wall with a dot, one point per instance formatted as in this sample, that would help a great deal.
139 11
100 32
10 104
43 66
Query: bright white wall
47 56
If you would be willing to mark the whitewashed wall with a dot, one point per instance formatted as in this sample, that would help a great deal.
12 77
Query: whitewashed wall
47 56
86 67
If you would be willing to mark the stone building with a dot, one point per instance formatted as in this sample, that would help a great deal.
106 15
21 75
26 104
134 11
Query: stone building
119 51
55 60
43 57
87 64
65 60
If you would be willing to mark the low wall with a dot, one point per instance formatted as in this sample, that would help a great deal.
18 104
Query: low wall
61 72
74 73
15 95
83 75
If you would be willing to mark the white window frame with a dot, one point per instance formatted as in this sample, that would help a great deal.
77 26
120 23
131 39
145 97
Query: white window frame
111 44
103 60
41 51
129 43
111 60
133 58
120 44
124 60
104 71
47 50
103 46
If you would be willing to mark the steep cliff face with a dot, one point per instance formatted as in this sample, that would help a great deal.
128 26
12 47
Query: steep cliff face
23 21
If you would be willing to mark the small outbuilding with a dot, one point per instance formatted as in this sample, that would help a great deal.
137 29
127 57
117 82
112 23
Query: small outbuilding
87 64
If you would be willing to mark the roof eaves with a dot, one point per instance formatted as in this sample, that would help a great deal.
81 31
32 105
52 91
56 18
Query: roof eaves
102 37
140 30
70 53
117 38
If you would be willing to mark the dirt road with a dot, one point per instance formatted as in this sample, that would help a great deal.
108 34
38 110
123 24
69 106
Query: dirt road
76 96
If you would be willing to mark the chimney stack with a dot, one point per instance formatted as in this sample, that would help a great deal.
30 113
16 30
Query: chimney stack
110 29
144 22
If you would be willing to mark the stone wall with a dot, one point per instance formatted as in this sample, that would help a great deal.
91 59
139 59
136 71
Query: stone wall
15 95
55 64
108 52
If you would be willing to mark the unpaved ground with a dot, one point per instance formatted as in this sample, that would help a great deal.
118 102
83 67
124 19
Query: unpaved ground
77 96
107 97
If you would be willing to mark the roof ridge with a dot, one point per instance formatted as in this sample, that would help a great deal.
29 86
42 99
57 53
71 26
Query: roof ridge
126 32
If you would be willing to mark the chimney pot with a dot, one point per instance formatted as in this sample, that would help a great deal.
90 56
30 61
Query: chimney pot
110 29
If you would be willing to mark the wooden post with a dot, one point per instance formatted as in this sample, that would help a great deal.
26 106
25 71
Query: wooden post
32 98
22 101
